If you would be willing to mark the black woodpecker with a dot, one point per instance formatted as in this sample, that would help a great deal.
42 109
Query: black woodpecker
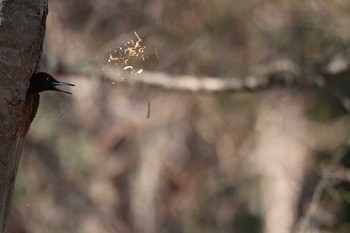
43 81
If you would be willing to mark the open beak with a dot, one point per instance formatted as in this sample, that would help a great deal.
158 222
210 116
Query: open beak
54 84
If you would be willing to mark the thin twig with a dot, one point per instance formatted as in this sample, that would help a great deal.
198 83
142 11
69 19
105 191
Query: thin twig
321 186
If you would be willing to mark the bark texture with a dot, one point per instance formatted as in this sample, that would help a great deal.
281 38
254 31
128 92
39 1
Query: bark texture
22 29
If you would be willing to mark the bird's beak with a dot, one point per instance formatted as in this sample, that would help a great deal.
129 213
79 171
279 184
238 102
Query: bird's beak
54 84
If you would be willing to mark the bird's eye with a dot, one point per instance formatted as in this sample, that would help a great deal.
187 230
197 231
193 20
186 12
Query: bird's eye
47 79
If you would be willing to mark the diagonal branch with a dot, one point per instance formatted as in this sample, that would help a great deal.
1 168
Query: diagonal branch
323 183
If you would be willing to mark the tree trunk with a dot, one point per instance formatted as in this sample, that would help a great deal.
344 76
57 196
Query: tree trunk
22 29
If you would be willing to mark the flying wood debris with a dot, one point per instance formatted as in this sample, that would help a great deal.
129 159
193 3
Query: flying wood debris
148 110
129 56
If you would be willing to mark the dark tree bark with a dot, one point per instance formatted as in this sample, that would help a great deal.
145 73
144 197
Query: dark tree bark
22 29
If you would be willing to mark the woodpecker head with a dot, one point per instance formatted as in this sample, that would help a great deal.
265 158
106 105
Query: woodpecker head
43 81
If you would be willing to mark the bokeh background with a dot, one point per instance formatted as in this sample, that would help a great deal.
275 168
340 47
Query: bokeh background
242 162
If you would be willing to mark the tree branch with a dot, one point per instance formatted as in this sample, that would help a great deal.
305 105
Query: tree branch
279 73
22 28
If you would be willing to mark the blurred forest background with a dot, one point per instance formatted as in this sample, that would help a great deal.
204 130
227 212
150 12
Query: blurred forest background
267 160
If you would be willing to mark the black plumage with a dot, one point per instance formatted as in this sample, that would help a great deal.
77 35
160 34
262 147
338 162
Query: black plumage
43 81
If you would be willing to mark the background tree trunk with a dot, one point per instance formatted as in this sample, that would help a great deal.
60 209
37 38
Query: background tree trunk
22 29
